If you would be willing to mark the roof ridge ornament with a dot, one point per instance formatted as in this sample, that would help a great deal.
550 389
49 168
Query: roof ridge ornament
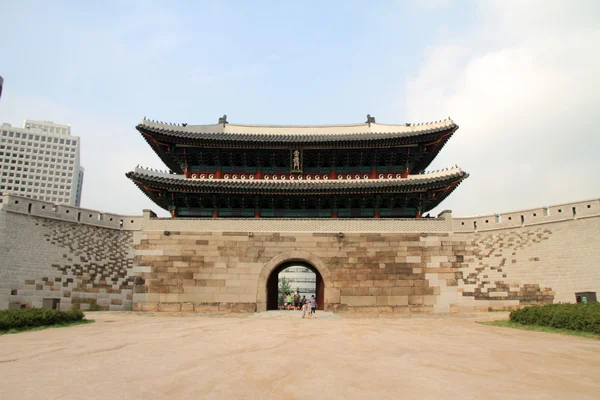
370 119
223 120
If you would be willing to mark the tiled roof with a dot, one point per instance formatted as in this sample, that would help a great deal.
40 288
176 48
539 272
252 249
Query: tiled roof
412 183
294 134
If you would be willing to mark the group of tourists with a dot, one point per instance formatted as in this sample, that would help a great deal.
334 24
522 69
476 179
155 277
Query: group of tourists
294 302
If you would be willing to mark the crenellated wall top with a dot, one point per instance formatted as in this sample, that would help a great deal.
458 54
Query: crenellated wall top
38 208
528 217
445 222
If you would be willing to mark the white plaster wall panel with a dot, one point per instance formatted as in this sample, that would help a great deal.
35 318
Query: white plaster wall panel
67 213
15 204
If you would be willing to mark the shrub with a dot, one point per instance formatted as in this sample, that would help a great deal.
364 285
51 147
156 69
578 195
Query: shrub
31 317
578 317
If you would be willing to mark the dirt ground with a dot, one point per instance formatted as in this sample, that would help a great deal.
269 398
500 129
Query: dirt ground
278 355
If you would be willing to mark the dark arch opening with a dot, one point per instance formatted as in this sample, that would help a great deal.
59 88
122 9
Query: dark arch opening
273 284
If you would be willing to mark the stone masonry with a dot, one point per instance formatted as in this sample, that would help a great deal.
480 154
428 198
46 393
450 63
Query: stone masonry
106 261
85 266
228 270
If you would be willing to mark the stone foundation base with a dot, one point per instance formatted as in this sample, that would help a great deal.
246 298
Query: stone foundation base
195 307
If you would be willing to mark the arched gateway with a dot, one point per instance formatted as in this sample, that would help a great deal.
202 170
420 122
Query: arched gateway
268 282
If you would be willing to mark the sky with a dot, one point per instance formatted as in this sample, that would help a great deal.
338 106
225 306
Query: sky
520 78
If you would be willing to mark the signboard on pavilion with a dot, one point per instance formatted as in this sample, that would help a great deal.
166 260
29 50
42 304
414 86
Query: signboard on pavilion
296 161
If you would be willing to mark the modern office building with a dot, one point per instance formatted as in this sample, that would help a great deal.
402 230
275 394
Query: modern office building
41 161
301 279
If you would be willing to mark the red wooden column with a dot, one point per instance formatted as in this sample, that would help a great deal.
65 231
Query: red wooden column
373 172
334 211
256 208
174 213
377 213
215 212
332 173
405 172
420 207
218 173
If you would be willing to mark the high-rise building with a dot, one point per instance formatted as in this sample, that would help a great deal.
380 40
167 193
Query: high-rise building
300 279
41 161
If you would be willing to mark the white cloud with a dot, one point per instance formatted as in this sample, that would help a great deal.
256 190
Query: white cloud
523 87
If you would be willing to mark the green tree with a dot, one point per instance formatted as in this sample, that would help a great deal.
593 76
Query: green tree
284 287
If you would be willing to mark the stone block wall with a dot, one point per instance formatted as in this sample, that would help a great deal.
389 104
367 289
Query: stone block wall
400 272
85 266
93 260
532 264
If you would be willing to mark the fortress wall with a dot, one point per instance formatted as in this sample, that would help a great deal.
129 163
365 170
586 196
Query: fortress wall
401 272
540 254
553 259
525 218
46 254
187 264
64 212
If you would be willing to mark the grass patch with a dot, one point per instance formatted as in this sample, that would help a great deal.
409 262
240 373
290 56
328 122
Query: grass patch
28 318
576 317
535 328
39 328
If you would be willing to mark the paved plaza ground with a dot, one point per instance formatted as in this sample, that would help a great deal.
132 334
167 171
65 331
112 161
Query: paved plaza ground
278 355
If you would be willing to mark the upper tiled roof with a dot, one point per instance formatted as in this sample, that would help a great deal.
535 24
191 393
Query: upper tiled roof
287 133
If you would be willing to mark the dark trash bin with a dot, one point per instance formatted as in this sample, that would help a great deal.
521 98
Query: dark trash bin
586 297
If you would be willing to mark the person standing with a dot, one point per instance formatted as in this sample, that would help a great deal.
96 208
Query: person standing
289 300
296 300
313 304
306 310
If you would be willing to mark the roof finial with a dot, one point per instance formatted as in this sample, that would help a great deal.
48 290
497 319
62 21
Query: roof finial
184 124
370 119
223 120
408 124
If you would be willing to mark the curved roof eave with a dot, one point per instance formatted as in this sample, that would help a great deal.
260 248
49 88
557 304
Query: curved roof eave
169 180
294 134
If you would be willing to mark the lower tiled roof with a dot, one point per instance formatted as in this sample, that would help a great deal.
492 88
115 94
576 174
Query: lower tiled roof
159 180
